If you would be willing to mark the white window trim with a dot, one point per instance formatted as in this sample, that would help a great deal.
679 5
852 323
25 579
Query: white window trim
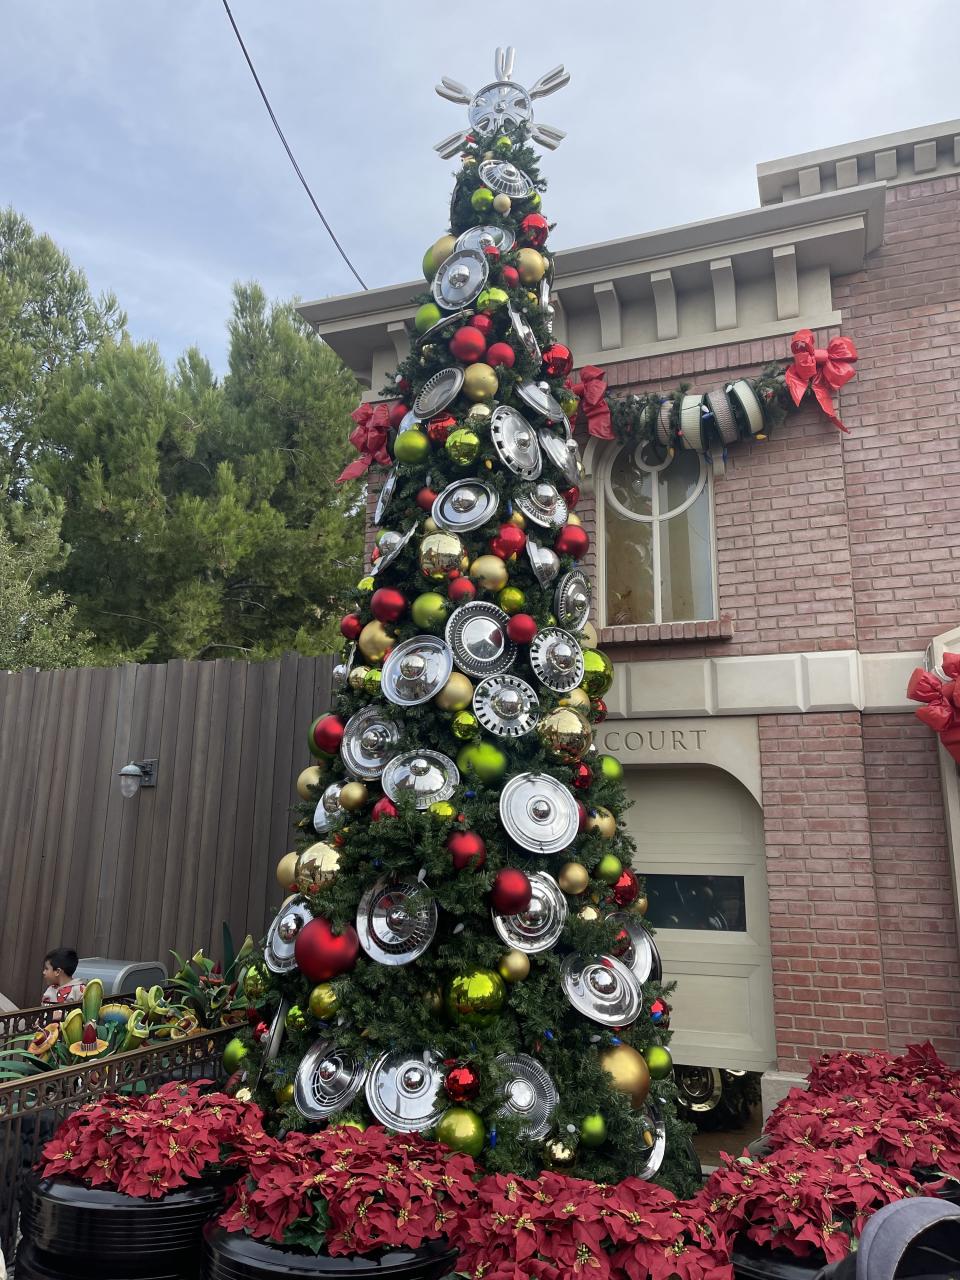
604 494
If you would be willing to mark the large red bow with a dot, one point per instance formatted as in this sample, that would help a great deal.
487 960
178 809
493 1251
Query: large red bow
369 438
941 711
592 393
824 371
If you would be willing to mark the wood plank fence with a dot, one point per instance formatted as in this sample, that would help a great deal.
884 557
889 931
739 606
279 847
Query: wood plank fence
129 879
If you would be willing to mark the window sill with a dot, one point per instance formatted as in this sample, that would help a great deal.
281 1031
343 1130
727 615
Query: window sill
668 632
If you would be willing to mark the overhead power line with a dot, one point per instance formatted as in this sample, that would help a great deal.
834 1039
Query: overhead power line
286 147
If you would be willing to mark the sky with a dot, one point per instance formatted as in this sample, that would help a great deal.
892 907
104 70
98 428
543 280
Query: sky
134 135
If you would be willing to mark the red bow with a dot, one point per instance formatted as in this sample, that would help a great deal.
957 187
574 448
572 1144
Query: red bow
369 438
592 393
824 371
942 698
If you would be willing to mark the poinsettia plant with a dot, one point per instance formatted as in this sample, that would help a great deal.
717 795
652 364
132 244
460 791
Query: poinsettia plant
149 1145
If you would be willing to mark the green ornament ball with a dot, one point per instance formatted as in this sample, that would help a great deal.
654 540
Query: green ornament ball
597 672
296 1019
461 1129
429 610
443 811
254 983
659 1061
233 1055
371 682
476 998
512 600
411 446
609 869
593 1130
465 726
482 199
503 143
463 445
429 314
484 759
366 584
534 201
492 299
611 768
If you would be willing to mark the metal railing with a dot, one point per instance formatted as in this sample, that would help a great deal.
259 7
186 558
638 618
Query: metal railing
31 1109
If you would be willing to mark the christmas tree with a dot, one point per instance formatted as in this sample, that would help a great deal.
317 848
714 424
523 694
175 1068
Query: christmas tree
464 953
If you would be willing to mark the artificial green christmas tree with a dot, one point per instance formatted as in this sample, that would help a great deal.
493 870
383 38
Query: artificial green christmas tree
464 952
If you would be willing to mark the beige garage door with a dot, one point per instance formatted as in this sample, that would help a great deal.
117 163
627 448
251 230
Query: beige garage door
699 837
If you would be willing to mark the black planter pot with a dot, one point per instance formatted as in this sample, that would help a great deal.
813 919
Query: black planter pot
228 1256
31 1265
758 1262
75 1231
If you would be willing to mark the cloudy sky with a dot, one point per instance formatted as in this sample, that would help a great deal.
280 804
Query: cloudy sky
134 134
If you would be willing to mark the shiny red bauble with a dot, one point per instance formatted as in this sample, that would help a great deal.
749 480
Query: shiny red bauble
501 353
351 626
398 411
403 386
626 889
492 252
328 734
572 540
388 604
522 628
557 360
468 344
384 808
467 849
484 323
462 1083
426 498
582 776
599 708
511 277
571 497
582 816
439 428
509 541
511 891
534 229
461 590
322 954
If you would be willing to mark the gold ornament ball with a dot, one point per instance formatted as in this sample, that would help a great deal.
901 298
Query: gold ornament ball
565 733
356 677
511 600
323 1001
456 694
443 811
371 682
530 265
517 518
317 866
461 1129
602 821
578 698
374 641
287 870
284 1095
589 913
479 411
311 777
489 573
502 203
480 382
573 878
353 796
430 525
439 250
573 518
476 998
609 869
514 966
463 445
588 636
628 1072
641 905
441 554
557 1155
597 673
296 1019
465 726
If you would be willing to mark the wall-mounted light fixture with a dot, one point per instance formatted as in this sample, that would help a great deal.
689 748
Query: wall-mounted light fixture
137 774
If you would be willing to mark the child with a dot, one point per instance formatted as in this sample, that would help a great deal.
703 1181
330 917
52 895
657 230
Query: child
59 966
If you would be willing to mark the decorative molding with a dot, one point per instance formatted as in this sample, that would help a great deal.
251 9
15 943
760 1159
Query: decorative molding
665 304
608 308
724 293
785 277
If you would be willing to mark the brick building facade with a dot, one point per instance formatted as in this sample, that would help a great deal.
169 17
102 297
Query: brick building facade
779 721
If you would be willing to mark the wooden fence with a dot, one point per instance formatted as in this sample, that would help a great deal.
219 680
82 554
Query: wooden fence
129 879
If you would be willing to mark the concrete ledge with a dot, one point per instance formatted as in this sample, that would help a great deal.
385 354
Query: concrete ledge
774 1087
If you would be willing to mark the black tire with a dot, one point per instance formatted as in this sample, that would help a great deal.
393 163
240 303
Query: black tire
227 1256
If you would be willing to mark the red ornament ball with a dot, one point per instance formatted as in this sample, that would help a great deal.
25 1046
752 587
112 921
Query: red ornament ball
322 954
557 360
484 323
599 710
626 889
534 229
582 816
388 604
462 1083
492 252
439 428
511 277
460 590
571 497
508 542
384 808
501 353
572 540
467 849
398 411
327 734
522 628
403 386
582 776
511 892
468 344
351 626
425 499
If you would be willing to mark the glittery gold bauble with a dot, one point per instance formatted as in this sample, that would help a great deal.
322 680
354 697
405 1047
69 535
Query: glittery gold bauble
353 796
296 1019
589 913
530 265
565 733
462 1130
479 382
323 1001
479 411
476 998
573 878
641 905
489 572
628 1072
287 870
443 811
578 698
441 555
557 1155
310 777
597 673
456 694
588 636
514 966
284 1095
511 600
371 682
602 820
317 866
356 677
374 641
465 726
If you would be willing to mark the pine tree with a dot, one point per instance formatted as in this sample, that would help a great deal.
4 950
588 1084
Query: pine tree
470 900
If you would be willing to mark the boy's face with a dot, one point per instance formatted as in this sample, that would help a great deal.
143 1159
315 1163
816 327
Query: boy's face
52 977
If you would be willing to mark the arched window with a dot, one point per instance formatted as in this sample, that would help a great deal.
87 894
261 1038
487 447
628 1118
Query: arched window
657 513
